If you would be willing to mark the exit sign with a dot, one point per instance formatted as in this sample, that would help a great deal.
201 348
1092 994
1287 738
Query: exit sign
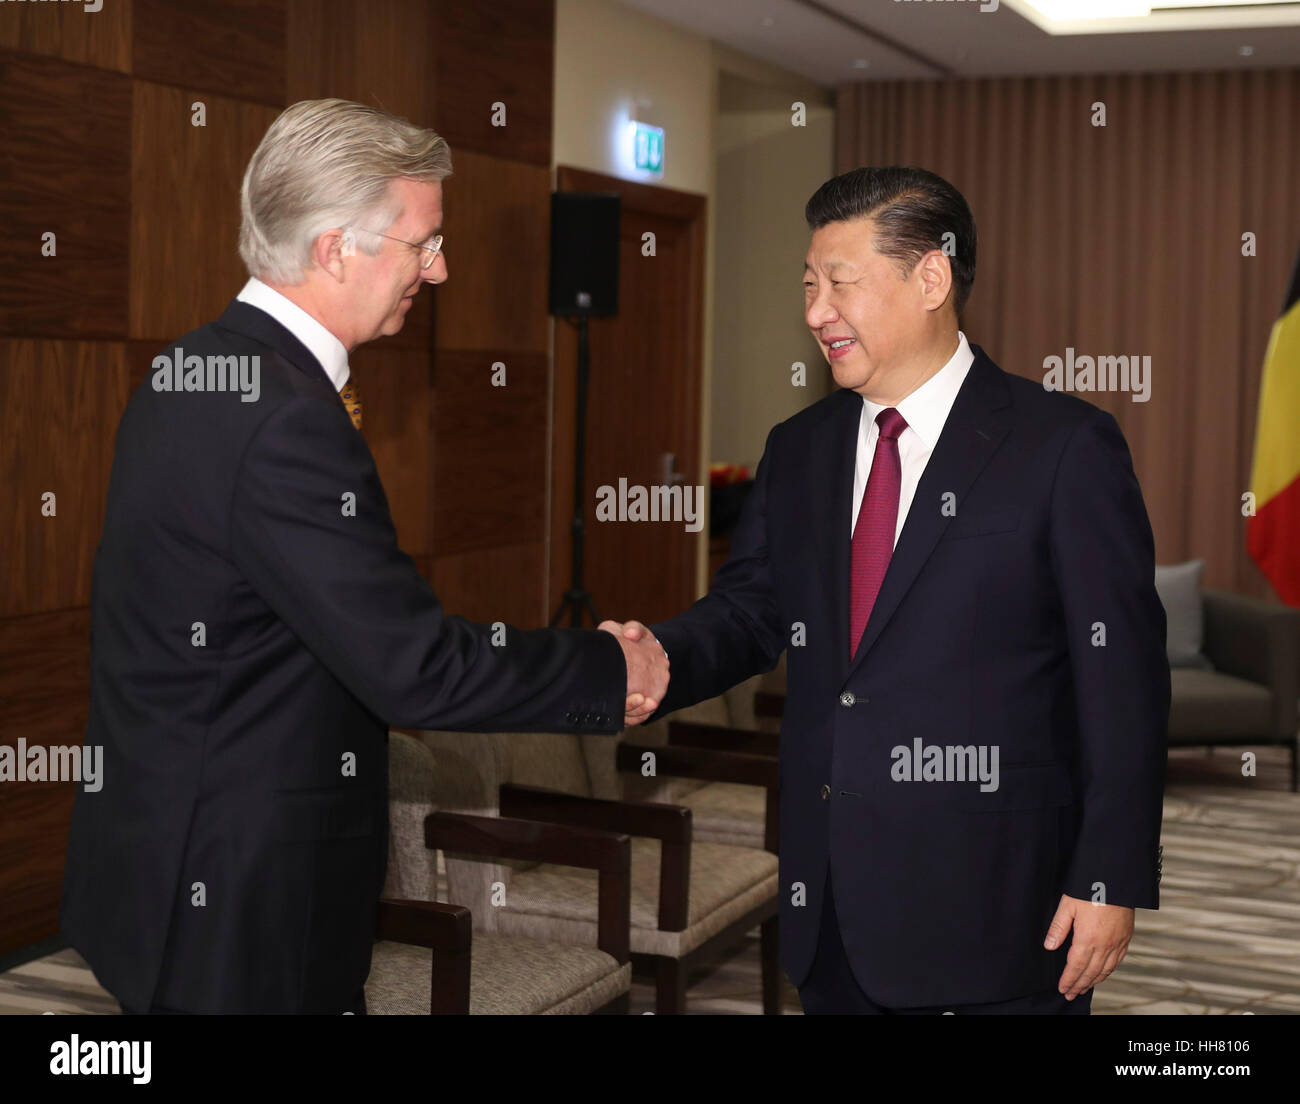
648 146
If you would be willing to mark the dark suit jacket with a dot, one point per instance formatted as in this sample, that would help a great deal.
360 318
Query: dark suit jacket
985 633
233 859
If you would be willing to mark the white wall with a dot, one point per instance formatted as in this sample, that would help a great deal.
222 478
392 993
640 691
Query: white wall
614 63
767 169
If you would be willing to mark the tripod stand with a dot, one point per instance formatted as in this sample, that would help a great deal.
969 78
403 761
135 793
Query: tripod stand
576 599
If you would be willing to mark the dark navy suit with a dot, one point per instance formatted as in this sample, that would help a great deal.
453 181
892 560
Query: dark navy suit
1024 616
233 860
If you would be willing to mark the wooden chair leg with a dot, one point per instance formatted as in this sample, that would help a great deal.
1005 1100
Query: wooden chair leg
770 951
670 987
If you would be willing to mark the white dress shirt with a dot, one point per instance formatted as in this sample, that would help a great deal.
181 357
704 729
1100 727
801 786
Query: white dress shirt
322 344
925 410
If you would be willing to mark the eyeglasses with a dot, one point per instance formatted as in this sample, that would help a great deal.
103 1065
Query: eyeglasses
430 249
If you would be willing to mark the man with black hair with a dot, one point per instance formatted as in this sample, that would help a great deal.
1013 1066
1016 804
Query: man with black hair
961 564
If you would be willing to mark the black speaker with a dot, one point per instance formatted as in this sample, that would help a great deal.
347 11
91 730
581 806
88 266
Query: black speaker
584 253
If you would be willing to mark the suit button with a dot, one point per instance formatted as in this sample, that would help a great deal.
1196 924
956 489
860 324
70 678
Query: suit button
826 792
571 717
847 699
603 719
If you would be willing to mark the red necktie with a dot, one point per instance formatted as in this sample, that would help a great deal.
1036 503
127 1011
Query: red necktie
873 536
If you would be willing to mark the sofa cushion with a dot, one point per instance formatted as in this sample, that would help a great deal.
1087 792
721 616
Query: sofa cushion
1206 704
1179 588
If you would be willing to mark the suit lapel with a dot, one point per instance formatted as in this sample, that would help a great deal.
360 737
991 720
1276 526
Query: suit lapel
254 322
976 424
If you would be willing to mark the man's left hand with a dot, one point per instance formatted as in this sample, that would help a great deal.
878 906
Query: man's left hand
1101 938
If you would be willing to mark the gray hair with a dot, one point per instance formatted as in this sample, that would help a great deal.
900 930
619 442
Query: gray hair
326 164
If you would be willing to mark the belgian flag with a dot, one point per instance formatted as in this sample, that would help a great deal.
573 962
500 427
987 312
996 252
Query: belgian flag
1273 534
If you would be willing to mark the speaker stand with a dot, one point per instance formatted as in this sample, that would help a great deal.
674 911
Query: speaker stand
577 600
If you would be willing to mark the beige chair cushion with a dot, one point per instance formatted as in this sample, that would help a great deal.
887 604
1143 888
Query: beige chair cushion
469 769
728 812
558 903
509 976
412 868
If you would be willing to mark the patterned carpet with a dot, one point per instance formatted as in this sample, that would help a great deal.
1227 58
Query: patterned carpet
1226 938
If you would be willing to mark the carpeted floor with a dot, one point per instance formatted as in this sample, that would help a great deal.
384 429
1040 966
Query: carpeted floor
1226 938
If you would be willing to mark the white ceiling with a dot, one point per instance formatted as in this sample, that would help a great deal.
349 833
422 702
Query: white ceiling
827 40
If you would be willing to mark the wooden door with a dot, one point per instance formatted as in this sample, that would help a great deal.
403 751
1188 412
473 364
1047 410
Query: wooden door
643 406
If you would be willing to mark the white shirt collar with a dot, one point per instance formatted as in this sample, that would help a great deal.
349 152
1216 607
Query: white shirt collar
926 409
322 344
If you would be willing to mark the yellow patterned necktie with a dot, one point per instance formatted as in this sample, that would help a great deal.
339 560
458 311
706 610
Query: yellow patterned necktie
351 396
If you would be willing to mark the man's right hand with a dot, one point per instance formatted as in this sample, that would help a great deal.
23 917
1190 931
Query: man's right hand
647 668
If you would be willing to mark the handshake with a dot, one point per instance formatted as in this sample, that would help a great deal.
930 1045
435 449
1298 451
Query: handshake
647 668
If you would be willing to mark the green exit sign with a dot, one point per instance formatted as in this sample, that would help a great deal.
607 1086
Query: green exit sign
648 144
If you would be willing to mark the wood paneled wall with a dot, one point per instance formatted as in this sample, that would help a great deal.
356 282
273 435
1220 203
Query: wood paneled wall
100 151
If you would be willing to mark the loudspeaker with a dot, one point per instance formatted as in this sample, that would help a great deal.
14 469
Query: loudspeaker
584 253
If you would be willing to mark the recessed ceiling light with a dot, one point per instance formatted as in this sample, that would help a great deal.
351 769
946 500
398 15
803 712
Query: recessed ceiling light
768 21
1118 16
860 63
1245 51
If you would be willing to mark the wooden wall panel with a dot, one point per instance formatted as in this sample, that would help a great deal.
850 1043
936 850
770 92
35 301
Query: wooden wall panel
44 675
65 170
100 148
238 46
489 451
498 214
185 264
502 52
68 31
383 53
59 403
34 822
395 395
495 584
44 679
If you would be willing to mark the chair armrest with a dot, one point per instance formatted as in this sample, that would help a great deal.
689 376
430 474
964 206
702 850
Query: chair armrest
429 924
448 931
709 764
722 738
608 853
671 824
1259 641
717 766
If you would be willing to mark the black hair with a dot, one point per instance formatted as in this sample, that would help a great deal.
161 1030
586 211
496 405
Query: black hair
913 210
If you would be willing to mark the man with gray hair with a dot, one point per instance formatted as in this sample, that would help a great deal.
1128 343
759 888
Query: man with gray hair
255 628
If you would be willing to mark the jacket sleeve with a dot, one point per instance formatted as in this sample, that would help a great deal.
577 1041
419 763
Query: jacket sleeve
734 631
310 530
1103 560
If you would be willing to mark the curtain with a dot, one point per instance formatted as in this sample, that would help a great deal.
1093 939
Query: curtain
1125 239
